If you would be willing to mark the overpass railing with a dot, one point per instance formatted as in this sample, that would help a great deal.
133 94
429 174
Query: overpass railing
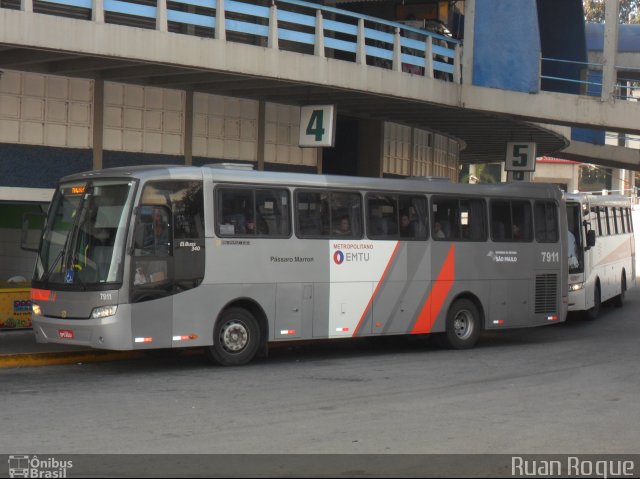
293 25
585 78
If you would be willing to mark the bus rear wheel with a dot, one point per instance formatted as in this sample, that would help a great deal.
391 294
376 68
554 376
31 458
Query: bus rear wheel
618 301
236 338
463 325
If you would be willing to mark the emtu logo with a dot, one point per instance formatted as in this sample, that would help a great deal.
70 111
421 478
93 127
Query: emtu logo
338 257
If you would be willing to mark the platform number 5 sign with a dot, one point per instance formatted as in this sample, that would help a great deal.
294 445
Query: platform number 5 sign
521 157
317 125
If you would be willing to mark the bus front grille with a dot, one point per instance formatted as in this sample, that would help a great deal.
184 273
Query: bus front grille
546 293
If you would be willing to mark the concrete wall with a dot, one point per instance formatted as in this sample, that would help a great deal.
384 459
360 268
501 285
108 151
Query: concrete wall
414 152
46 129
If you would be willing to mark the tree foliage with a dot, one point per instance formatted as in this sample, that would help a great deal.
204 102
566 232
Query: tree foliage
629 11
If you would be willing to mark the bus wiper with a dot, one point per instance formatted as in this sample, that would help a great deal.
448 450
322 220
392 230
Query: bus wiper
54 264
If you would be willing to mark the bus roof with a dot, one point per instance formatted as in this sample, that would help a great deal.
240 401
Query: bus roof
598 200
217 174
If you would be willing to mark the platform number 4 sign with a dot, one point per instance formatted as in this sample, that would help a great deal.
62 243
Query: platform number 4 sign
521 157
317 125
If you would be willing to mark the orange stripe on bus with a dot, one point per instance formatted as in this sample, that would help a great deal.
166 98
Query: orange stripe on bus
43 295
439 292
373 296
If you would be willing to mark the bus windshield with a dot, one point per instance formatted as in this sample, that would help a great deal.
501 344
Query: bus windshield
84 239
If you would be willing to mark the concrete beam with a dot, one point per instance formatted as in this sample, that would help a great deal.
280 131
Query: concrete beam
555 108
607 155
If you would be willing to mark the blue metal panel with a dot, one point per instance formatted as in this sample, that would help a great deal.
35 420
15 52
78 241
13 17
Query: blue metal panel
191 18
299 37
341 27
507 45
129 8
442 67
74 3
413 60
340 45
628 38
413 44
379 52
378 35
297 18
246 27
444 52
246 9
198 3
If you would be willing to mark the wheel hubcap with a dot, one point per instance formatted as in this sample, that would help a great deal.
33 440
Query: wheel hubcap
234 336
463 324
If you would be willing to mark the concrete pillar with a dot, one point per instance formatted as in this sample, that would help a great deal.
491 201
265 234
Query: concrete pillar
273 27
428 57
319 152
457 70
161 16
221 28
97 11
262 126
98 123
473 176
188 128
610 51
26 6
397 51
319 46
467 49
361 53
370 148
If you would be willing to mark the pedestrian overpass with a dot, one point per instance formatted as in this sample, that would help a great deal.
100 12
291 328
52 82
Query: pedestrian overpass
299 53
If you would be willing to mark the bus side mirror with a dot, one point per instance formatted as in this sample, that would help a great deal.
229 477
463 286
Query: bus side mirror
591 239
29 240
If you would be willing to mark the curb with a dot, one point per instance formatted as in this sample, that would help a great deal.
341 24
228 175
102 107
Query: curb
27 360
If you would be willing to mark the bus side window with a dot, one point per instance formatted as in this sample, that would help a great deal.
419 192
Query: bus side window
546 222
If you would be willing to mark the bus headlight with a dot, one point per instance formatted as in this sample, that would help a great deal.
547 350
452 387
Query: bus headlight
576 286
103 312
37 310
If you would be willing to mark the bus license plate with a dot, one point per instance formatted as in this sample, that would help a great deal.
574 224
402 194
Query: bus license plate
65 333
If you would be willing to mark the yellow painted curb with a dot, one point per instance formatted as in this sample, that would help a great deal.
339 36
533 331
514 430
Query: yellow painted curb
27 360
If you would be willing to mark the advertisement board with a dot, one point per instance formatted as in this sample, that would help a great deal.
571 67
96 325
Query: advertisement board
15 308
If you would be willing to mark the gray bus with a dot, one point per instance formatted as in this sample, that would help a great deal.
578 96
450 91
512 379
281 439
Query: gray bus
232 260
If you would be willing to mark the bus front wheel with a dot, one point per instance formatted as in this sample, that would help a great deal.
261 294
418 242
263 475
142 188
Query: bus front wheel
463 325
592 313
236 338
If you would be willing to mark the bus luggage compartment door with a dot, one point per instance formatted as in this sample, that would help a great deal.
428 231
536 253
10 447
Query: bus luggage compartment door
294 309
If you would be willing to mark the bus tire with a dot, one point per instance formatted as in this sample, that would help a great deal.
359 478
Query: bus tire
236 338
618 301
463 325
591 314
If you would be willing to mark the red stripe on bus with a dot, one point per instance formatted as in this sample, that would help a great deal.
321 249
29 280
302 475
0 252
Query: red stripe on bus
439 292
43 295
375 292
